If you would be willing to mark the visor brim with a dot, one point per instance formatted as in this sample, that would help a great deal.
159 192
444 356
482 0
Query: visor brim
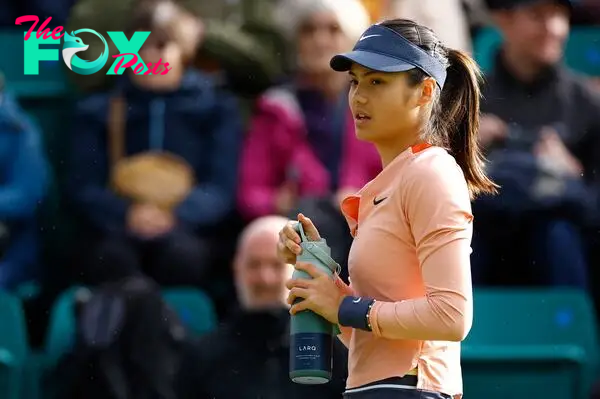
374 61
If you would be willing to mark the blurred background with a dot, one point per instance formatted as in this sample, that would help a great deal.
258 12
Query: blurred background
139 214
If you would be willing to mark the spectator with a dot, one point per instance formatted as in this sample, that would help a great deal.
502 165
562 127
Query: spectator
301 152
541 131
446 18
178 128
25 176
248 356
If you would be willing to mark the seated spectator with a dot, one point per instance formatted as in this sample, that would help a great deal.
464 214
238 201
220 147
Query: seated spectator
154 165
24 183
541 131
248 356
447 19
301 152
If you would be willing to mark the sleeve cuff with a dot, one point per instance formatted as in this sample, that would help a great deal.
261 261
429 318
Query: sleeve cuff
353 312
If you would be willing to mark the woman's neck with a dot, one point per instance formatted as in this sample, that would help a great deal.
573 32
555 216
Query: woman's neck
389 150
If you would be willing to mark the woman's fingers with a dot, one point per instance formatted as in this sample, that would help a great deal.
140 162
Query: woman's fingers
289 239
296 293
309 228
287 247
290 232
293 247
297 283
300 306
284 253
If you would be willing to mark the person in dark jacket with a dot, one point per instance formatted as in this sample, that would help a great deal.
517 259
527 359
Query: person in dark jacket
184 113
247 357
542 134
24 178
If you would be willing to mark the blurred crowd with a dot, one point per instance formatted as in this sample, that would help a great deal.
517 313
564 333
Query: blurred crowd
186 178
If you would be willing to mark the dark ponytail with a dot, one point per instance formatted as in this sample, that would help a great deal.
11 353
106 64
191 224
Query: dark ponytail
455 112
459 102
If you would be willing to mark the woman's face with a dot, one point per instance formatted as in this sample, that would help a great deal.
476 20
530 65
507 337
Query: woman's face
320 38
386 108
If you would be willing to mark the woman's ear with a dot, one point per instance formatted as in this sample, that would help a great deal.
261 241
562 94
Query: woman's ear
427 90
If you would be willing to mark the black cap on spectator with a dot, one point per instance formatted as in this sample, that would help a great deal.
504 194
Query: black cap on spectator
494 5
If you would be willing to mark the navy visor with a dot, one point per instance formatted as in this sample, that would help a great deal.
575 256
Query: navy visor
383 50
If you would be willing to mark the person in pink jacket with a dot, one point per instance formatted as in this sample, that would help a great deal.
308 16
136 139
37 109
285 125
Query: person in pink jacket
301 151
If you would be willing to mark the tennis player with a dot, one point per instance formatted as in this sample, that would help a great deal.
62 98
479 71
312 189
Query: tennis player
409 303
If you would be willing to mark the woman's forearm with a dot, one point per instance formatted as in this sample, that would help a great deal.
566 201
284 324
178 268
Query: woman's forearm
444 313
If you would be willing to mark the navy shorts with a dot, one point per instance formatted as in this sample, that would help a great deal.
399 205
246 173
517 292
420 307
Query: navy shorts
393 388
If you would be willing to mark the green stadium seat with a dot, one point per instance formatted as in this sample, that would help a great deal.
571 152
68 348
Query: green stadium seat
195 309
62 325
530 344
485 46
582 52
51 80
13 346
47 97
60 338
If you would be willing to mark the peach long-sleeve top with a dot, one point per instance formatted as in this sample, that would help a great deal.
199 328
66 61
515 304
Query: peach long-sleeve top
412 228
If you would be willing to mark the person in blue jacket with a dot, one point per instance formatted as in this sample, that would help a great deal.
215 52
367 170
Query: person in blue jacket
24 177
183 112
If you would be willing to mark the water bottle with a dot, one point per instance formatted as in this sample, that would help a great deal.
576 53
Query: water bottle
311 336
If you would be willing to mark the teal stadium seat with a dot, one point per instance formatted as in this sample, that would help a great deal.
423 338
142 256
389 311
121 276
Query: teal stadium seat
13 346
50 82
530 344
582 52
194 307
47 97
61 329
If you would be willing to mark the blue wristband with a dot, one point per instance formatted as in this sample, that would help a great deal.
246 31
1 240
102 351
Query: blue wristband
354 311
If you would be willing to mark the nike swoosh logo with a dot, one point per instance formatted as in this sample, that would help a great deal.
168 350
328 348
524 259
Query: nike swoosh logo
357 300
378 201
366 37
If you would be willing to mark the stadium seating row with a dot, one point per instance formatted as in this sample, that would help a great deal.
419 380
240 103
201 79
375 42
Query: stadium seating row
523 344
48 97
22 369
582 54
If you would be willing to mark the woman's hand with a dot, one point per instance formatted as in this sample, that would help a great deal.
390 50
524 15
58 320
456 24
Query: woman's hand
289 240
320 295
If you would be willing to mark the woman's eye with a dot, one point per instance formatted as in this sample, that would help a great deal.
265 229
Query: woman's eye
376 82
353 82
